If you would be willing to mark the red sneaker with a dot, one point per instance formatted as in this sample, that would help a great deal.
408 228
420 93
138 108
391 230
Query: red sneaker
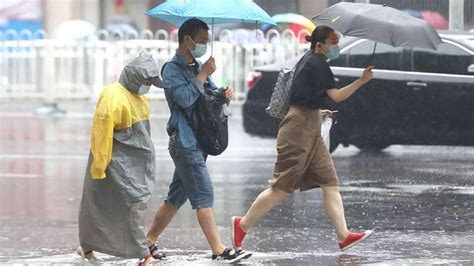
237 233
354 239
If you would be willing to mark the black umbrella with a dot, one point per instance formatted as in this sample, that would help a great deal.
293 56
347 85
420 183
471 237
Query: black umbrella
379 23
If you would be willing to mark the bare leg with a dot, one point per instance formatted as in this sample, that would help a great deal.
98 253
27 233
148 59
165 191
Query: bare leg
208 225
163 217
262 205
88 254
335 211
150 261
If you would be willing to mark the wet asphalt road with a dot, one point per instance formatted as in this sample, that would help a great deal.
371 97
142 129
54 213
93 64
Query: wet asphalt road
419 199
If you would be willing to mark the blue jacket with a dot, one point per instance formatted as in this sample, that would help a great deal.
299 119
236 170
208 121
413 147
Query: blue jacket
182 90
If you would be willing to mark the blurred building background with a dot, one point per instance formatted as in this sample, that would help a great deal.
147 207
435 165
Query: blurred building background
17 15
49 14
68 49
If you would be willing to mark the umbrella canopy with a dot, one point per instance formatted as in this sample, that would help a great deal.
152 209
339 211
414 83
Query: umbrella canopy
292 18
435 19
380 23
75 30
413 12
126 30
211 11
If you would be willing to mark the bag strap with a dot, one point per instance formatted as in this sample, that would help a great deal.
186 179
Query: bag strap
299 61
178 65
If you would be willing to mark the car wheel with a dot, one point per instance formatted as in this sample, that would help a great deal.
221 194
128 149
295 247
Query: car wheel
333 145
372 147
334 139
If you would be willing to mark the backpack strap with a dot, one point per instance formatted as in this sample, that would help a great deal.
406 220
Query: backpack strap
295 67
188 74
174 63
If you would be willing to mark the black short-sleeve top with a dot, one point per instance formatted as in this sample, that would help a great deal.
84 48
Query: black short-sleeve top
312 78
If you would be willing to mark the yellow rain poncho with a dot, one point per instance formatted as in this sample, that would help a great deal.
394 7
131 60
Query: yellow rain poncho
120 174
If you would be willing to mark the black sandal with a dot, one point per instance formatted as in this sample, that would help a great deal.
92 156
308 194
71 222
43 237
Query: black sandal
157 255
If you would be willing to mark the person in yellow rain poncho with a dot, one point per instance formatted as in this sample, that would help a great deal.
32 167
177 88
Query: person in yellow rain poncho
120 174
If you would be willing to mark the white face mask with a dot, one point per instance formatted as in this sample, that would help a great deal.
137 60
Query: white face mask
144 89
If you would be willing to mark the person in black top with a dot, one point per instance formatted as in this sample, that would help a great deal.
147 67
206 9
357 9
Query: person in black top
311 80
304 161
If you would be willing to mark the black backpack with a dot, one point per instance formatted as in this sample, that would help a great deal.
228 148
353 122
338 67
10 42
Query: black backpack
211 131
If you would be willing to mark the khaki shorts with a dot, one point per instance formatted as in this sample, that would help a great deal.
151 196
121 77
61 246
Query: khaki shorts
303 160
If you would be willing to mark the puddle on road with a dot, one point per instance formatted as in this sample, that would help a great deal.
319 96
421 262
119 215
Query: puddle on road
423 262
258 258
462 190
182 258
415 189
418 189
365 189
377 187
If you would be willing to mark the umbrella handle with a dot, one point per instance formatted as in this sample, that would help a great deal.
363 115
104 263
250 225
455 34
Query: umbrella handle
212 40
372 59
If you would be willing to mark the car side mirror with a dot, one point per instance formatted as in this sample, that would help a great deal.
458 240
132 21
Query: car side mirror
470 68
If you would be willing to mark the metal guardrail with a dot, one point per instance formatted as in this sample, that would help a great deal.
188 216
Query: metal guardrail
35 66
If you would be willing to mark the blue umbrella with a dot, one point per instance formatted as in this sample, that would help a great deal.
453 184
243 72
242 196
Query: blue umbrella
413 12
211 11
